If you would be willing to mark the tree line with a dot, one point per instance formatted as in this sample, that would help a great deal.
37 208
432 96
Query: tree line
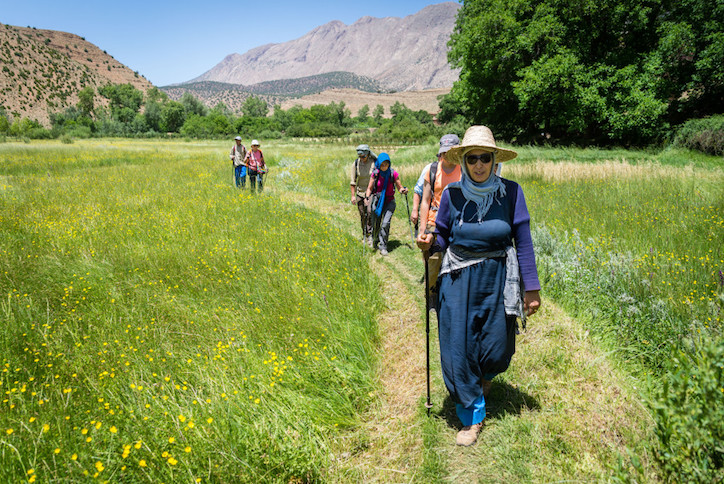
130 112
587 71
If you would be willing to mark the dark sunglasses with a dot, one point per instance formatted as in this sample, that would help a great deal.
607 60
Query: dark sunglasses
473 159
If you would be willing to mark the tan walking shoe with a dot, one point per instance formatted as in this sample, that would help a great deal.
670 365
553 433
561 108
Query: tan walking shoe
469 435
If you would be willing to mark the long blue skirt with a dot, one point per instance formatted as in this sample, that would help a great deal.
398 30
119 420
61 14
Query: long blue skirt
476 339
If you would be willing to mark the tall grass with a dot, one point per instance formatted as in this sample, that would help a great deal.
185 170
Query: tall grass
635 251
637 246
162 326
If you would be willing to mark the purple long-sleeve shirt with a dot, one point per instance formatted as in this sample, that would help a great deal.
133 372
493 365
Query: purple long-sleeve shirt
520 232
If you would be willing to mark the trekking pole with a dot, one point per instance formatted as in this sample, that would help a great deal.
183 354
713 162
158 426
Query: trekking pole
426 254
409 222
364 235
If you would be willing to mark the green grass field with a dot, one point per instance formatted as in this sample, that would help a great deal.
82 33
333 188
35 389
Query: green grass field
161 325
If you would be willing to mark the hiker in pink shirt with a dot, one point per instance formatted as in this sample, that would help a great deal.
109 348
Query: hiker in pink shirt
256 166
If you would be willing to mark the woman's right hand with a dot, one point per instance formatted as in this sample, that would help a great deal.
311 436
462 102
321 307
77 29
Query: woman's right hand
424 241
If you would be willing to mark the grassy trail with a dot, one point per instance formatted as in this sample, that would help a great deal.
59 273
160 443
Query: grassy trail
562 412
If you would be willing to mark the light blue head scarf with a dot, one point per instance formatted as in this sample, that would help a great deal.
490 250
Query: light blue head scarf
385 176
480 194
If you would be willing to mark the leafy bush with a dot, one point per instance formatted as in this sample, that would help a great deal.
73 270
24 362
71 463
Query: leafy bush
269 134
405 130
39 133
706 134
248 127
210 126
689 411
316 130
80 132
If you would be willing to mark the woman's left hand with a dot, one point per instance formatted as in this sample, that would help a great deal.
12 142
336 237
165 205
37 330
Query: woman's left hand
531 302
403 190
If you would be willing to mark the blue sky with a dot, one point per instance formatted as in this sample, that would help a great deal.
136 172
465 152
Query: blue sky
170 42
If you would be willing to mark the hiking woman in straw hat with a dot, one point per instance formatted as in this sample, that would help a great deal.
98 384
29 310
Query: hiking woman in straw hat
488 276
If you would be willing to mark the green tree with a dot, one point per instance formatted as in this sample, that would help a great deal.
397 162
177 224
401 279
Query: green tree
255 107
124 101
86 98
451 106
192 105
363 113
378 112
153 109
156 95
153 114
610 70
173 116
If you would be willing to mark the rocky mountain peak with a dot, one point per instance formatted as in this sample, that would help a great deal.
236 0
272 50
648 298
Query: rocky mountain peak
402 54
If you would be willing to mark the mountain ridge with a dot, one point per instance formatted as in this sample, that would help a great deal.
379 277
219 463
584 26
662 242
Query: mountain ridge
273 92
403 54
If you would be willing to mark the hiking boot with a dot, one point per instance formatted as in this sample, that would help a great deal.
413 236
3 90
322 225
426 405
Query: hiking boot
383 252
486 388
469 435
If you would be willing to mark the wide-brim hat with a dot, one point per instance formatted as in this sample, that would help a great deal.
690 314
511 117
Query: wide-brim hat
478 137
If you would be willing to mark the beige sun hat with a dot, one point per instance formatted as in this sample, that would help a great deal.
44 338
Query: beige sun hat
478 137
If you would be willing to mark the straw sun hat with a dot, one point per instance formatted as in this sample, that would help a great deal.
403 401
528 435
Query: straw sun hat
478 137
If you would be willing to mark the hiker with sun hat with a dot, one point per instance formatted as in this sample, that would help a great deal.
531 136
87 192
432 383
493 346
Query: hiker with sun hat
488 276
257 166
361 173
238 161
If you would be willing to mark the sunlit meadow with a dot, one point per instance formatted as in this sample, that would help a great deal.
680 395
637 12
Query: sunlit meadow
160 325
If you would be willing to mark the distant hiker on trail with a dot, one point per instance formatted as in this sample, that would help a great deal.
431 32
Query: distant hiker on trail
359 180
488 277
382 184
238 160
257 166
439 176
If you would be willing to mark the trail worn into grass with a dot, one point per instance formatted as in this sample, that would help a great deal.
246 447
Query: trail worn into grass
563 411
388 448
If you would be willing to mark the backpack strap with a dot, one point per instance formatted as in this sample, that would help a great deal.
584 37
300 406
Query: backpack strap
433 174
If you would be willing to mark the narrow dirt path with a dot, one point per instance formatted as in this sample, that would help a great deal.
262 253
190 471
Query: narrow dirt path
389 446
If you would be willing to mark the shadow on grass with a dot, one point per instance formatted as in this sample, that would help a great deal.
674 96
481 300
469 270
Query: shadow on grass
503 400
396 244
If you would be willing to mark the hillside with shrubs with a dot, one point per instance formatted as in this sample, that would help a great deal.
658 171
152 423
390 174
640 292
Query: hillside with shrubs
44 70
